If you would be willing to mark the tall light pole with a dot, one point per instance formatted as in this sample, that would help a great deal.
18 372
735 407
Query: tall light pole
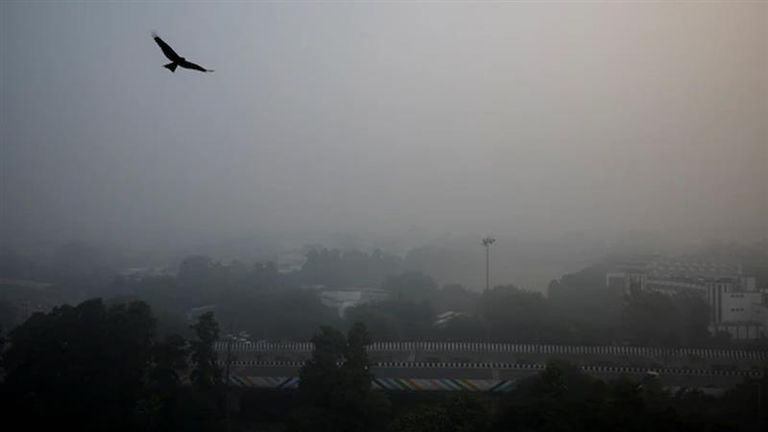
487 242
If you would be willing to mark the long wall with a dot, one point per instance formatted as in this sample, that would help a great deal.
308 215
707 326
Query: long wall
496 367
420 376
517 353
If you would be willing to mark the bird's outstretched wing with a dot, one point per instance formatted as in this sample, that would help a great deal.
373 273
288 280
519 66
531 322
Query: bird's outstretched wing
167 50
190 65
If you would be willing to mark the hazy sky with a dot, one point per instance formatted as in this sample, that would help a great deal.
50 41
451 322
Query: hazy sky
384 119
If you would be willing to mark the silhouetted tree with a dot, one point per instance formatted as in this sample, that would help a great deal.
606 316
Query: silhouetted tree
206 373
335 385
585 307
320 376
514 314
2 355
9 315
395 320
206 404
160 406
336 269
658 319
462 413
82 365
410 286
454 297
323 267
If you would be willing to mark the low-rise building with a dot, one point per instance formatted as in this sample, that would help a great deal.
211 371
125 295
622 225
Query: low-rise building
342 300
736 305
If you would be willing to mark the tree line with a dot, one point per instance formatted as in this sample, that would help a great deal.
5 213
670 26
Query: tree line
267 304
99 366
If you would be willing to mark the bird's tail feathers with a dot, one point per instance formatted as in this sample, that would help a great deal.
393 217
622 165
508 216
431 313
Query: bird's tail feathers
171 66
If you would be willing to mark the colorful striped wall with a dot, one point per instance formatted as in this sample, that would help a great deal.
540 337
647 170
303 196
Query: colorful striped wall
589 369
264 382
391 384
443 384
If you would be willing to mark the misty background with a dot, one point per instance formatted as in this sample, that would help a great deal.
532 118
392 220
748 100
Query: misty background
563 129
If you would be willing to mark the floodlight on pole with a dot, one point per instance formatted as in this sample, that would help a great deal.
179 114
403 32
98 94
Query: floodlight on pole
487 242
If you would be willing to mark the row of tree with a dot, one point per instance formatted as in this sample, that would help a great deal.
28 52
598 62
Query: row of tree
101 367
563 399
579 308
509 314
335 395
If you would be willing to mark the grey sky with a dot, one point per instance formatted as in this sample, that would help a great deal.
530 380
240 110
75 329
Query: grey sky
384 119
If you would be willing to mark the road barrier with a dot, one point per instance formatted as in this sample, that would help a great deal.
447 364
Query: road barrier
478 347
589 369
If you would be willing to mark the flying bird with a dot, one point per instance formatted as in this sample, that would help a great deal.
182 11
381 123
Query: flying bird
176 60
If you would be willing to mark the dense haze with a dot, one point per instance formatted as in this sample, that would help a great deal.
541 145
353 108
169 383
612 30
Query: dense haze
298 241
405 122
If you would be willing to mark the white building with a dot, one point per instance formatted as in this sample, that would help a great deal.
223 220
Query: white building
737 306
343 300
445 318
732 305
290 261
744 315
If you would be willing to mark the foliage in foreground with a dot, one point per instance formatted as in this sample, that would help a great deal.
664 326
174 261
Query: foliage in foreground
98 367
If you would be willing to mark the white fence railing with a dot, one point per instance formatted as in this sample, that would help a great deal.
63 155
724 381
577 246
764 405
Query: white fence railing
513 366
478 347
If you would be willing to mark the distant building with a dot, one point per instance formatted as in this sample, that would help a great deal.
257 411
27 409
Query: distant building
630 282
445 318
146 272
343 300
290 261
736 305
